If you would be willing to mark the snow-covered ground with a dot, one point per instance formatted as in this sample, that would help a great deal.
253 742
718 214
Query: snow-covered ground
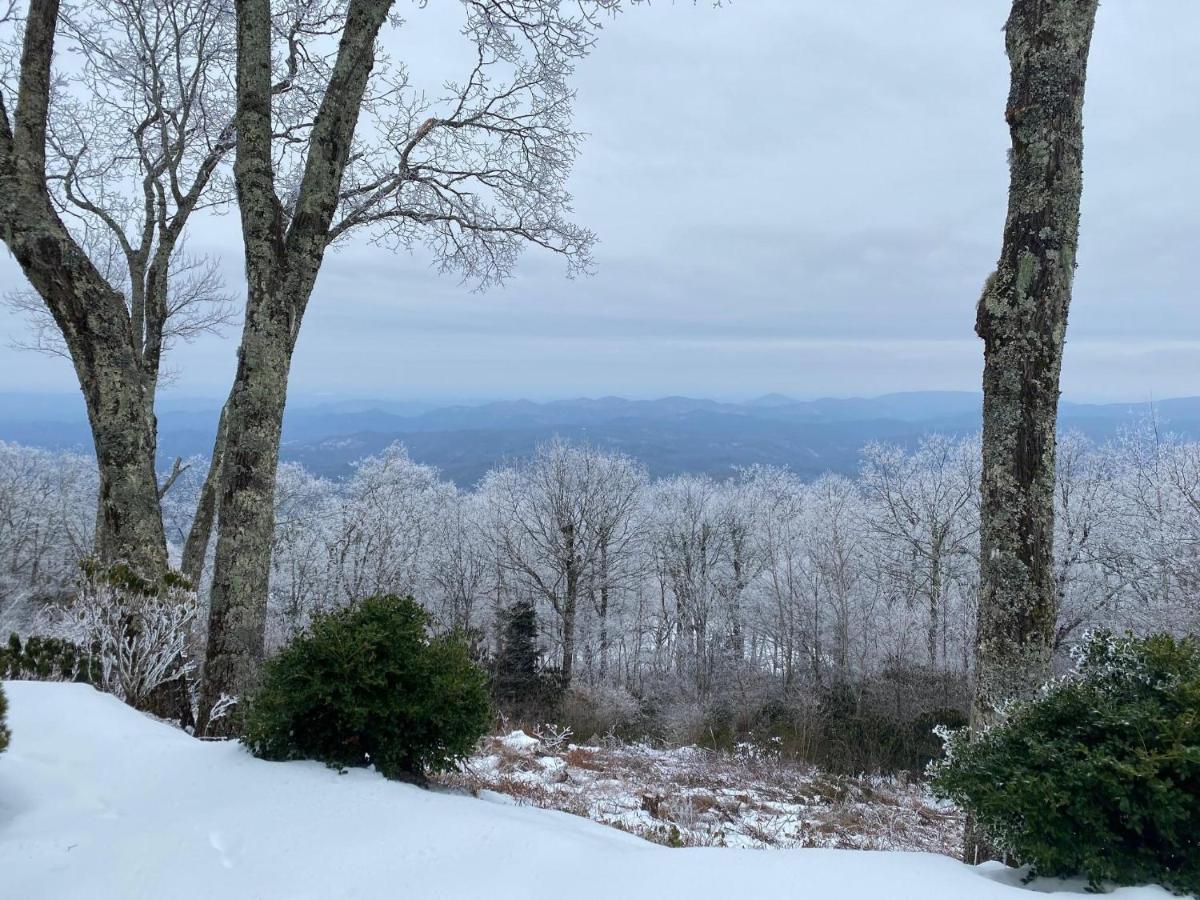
97 801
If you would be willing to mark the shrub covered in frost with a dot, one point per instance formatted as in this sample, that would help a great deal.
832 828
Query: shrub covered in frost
369 685
602 709
138 629
1099 776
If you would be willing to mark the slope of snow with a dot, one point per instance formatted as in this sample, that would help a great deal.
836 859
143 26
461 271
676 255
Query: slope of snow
98 801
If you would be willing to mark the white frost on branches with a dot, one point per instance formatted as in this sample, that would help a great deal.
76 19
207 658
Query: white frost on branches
140 639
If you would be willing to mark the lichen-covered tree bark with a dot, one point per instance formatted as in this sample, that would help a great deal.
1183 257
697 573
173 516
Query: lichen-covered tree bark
195 547
1022 319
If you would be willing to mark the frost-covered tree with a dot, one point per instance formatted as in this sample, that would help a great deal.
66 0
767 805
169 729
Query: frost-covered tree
390 507
689 543
1149 551
47 517
925 512
617 521
790 607
561 526
837 557
460 567
307 520
1084 511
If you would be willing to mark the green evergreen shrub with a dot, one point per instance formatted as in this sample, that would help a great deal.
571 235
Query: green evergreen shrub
1100 775
5 734
41 658
369 685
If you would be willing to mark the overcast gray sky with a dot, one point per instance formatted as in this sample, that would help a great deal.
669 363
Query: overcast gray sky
790 195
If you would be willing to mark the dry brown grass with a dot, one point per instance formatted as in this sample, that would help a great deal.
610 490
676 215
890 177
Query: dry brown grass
527 793
703 803
690 797
585 758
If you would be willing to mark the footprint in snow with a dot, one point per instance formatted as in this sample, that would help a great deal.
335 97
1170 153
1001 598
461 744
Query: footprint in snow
228 848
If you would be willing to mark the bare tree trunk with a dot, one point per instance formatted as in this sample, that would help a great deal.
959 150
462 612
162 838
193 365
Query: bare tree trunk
604 638
1022 318
935 601
570 605
129 524
737 637
195 548
282 261
242 564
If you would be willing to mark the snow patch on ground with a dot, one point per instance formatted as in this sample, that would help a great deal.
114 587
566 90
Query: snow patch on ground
98 801
519 741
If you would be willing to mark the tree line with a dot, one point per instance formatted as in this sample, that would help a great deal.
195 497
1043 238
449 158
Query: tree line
711 587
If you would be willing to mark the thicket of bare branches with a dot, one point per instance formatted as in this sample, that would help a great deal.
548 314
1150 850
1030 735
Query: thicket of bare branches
138 125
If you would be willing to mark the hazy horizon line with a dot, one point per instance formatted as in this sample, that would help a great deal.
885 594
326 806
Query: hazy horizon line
472 399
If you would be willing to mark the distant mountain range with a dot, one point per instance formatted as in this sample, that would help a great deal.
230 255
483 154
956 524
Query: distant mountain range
669 435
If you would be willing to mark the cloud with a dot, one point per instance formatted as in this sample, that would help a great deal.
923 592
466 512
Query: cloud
790 195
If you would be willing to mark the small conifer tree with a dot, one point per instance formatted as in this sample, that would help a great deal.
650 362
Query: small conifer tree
521 684
518 663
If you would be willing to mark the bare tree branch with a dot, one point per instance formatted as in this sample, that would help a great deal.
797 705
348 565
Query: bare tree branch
176 470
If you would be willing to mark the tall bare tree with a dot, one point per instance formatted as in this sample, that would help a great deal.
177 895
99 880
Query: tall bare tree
1022 319
100 171
924 511
474 176
563 527
690 549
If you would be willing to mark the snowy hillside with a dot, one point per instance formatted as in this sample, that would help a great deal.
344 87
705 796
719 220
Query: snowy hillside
98 801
